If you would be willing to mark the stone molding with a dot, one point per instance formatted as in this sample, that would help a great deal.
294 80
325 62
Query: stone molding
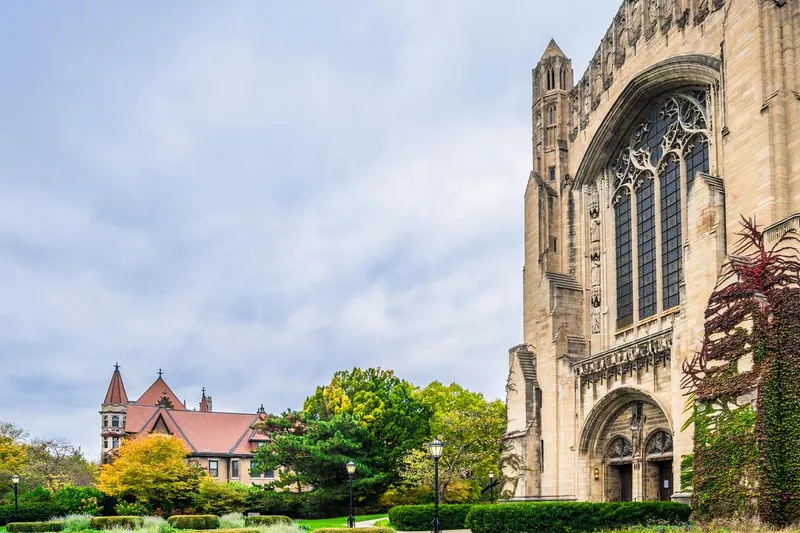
628 358
775 231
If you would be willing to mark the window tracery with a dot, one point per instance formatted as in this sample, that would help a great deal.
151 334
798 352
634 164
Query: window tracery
620 448
660 156
660 444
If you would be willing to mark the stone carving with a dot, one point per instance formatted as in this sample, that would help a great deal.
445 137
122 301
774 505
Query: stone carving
651 18
594 251
701 11
628 358
636 422
685 117
619 448
597 78
660 444
596 319
620 36
635 22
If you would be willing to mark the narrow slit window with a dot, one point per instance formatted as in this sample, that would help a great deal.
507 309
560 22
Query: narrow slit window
622 230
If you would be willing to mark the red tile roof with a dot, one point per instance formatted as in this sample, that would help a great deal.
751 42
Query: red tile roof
157 390
116 389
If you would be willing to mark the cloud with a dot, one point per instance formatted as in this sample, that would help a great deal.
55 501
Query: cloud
256 195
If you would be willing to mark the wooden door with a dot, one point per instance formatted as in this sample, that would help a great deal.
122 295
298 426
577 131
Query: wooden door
625 483
665 480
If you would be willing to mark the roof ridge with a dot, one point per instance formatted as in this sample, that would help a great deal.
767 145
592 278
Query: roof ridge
241 437
181 431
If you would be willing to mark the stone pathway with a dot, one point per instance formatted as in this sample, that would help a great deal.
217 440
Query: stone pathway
368 523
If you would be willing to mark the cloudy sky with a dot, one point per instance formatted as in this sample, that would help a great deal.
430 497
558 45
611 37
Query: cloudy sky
252 195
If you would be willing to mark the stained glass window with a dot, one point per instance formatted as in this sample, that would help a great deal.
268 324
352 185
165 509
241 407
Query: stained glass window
624 262
671 264
646 236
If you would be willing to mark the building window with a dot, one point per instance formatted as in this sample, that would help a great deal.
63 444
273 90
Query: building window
124 421
671 256
115 421
105 421
105 443
552 172
563 79
254 469
622 223
551 115
213 467
541 455
115 442
269 474
235 468
551 79
667 145
646 237
696 159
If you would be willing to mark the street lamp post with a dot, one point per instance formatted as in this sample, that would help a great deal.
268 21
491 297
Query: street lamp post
15 481
491 486
436 448
351 469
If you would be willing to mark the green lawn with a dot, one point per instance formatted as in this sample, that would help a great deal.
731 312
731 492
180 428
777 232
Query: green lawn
338 522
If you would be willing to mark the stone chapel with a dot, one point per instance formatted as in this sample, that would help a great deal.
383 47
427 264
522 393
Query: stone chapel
687 118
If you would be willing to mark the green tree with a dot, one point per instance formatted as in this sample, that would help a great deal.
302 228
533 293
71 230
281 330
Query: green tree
471 428
385 405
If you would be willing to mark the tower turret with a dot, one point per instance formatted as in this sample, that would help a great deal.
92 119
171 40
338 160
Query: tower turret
113 414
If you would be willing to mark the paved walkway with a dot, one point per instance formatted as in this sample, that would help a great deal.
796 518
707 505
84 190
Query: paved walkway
368 523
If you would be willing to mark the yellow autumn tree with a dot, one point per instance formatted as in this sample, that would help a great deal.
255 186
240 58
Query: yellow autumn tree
12 459
152 470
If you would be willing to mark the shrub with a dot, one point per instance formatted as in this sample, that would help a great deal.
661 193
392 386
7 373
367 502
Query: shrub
232 521
216 497
116 522
267 520
155 524
419 517
78 500
34 527
397 496
194 521
76 522
233 530
124 508
564 517
28 512
270 502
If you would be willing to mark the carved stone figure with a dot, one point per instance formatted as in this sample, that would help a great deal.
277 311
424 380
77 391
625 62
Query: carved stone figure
637 421
595 319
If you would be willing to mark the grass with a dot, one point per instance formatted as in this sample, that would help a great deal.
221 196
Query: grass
337 522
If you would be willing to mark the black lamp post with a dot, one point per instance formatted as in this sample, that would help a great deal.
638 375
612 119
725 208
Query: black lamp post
436 448
351 469
491 486
15 481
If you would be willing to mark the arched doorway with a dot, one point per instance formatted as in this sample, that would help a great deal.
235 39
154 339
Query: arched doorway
658 466
625 449
619 474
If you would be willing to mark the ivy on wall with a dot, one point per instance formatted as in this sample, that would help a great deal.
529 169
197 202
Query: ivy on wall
744 386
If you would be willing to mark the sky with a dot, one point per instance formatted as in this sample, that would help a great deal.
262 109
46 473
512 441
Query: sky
253 195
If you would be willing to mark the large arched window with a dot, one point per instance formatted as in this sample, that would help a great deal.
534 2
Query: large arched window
652 172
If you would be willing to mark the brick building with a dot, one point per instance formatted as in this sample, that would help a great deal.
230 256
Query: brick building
686 118
222 443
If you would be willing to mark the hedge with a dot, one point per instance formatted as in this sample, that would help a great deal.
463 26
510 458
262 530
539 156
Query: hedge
116 522
364 529
28 512
420 517
194 521
267 520
34 527
234 530
572 517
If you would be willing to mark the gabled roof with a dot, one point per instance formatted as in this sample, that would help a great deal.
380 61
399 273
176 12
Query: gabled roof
157 390
116 389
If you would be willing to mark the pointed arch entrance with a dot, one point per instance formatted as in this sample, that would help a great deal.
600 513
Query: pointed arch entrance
625 449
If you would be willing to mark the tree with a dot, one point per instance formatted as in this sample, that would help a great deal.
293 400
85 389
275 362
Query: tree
470 427
56 463
385 405
153 471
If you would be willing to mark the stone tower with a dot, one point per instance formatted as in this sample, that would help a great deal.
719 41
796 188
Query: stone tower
113 413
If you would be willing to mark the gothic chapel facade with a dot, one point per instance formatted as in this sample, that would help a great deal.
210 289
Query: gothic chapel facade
687 117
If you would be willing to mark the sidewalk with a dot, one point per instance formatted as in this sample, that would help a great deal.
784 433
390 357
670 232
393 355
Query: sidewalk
368 523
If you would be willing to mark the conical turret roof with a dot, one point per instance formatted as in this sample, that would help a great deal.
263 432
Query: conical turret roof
116 389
